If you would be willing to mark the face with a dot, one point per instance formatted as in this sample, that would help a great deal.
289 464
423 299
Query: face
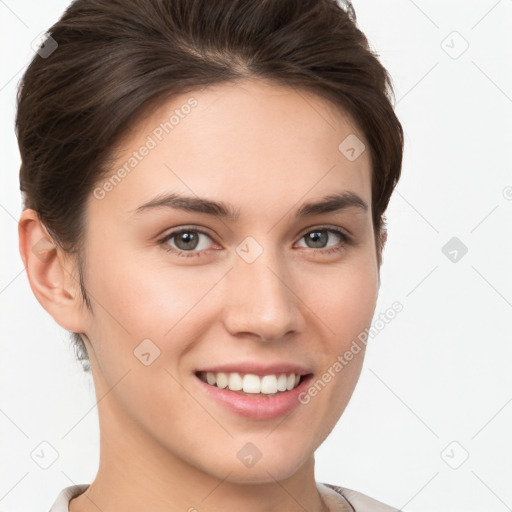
262 292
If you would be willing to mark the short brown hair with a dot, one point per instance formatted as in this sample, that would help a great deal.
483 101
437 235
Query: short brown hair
114 59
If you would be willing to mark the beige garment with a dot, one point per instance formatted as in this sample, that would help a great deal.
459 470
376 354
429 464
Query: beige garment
341 499
338 499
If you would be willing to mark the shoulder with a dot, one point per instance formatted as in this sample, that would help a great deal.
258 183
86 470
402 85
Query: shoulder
66 495
358 501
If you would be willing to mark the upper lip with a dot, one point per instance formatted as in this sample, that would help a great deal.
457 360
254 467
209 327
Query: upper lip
257 368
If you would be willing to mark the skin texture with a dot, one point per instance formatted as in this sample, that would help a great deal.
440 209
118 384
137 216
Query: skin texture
164 444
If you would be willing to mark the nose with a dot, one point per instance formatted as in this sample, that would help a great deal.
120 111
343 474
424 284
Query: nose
262 301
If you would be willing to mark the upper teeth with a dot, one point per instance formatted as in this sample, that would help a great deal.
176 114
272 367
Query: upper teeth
251 383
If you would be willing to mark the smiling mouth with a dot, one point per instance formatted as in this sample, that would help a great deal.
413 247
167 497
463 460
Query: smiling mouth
252 384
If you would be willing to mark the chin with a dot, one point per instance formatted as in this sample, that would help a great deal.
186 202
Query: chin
261 469
262 473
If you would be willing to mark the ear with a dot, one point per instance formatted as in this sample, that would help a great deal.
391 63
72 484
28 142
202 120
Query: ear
51 273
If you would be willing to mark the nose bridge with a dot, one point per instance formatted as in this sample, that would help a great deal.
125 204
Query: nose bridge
261 297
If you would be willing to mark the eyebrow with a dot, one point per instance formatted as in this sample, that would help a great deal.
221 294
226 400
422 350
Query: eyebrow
331 203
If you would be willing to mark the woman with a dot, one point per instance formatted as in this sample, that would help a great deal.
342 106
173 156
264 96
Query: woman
262 135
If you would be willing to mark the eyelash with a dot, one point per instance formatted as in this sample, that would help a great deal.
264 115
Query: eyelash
346 239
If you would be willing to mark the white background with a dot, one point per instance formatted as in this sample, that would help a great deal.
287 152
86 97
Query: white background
439 373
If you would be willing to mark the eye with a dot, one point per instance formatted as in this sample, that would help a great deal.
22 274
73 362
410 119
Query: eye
319 236
187 242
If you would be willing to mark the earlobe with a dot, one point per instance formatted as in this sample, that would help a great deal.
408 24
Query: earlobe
50 273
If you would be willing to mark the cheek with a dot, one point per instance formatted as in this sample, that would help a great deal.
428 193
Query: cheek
138 299
345 304
344 300
143 296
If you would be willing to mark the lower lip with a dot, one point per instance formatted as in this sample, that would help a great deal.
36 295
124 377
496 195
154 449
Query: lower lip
257 407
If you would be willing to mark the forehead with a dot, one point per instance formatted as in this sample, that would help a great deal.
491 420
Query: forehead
251 143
